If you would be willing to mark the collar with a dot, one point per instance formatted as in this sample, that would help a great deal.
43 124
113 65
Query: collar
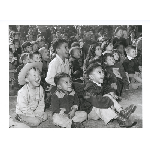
60 93
98 84
60 60
129 57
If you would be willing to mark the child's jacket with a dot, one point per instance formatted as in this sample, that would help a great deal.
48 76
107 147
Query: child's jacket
131 66
61 100
30 104
96 96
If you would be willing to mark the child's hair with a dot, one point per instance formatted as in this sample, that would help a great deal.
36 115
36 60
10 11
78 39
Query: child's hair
75 44
25 44
117 29
58 42
35 69
24 56
73 49
92 67
91 52
34 42
106 55
32 54
15 40
128 48
16 33
116 46
59 76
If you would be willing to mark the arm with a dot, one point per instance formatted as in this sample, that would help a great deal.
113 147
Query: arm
51 73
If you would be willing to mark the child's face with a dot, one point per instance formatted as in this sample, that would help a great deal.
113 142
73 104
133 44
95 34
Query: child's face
98 51
11 55
125 34
63 50
29 49
41 43
116 56
30 38
34 78
26 60
109 47
132 53
16 36
77 53
36 58
110 61
45 55
35 47
65 84
13 47
16 44
81 44
119 33
97 75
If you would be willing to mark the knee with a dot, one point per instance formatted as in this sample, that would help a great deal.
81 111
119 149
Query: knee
45 117
35 122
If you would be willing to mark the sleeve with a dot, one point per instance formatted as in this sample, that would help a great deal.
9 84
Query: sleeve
41 105
99 101
51 73
55 104
23 104
76 101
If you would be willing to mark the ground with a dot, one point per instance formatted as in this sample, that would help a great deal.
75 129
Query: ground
128 97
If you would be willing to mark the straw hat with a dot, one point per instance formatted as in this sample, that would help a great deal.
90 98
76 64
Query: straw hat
25 69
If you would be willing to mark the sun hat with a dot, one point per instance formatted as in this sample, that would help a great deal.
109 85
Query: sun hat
25 69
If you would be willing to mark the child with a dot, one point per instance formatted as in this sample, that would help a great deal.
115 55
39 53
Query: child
46 60
34 46
98 105
94 55
107 46
116 74
41 42
60 63
35 57
30 99
27 47
12 67
131 66
65 104
76 65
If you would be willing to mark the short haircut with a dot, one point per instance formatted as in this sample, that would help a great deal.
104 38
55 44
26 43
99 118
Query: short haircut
24 56
128 48
116 46
73 49
74 44
32 54
16 33
15 40
92 67
60 76
107 55
58 42
25 44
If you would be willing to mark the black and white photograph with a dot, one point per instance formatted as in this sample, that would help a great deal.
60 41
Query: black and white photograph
75 76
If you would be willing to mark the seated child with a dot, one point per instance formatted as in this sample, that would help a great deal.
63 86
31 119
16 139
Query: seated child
12 68
100 100
65 104
131 66
116 74
46 60
34 46
34 57
75 64
30 99
27 47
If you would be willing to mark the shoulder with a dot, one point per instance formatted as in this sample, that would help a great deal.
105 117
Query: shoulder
23 90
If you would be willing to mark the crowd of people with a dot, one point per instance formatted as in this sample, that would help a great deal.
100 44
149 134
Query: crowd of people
79 72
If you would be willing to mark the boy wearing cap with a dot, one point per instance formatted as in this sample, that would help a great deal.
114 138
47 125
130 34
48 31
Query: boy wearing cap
30 99
101 100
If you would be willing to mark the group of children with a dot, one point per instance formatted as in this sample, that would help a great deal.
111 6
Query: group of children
76 85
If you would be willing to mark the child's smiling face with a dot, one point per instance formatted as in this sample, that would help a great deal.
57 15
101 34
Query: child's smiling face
76 53
116 56
110 61
63 50
98 51
131 53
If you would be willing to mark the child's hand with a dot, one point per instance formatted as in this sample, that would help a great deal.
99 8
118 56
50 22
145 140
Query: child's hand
114 86
71 114
62 110
113 95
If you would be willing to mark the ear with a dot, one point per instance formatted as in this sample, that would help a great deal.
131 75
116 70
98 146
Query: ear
59 86
26 79
91 77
